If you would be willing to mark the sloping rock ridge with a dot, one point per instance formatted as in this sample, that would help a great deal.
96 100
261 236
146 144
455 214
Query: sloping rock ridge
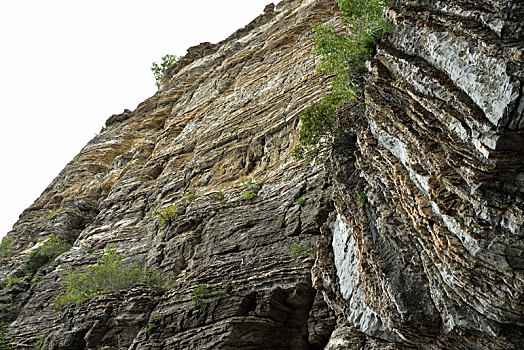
414 241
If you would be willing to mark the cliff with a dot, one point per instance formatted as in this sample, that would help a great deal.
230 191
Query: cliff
415 240
427 246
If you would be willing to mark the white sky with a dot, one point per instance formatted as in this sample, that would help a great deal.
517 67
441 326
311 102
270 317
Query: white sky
66 66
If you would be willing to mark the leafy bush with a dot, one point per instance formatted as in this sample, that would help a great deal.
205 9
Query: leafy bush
167 215
342 53
108 274
361 199
153 326
301 200
298 251
3 344
11 281
251 189
222 198
50 214
6 248
47 252
35 279
201 292
165 62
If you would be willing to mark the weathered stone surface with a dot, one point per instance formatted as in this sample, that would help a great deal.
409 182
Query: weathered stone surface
424 251
347 338
428 243
226 113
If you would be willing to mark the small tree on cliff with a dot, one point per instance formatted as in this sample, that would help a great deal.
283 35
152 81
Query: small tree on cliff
342 52
159 70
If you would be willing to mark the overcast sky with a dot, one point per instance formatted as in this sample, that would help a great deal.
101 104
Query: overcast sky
66 66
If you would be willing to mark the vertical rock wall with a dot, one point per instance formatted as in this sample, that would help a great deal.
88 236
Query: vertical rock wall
428 246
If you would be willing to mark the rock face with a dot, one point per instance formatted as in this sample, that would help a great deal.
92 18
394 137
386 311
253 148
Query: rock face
228 112
421 247
428 244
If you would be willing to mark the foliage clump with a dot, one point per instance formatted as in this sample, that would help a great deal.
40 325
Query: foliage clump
342 53
222 198
153 326
301 200
6 248
202 291
199 293
50 214
108 274
160 69
299 251
11 281
251 189
47 252
167 215
361 199
3 344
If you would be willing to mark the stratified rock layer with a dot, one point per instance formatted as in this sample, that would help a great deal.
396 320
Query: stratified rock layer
226 113
428 245
424 251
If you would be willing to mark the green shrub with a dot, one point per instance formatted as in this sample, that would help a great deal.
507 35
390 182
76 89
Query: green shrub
202 291
199 293
343 54
3 344
301 200
220 292
222 198
191 198
35 279
153 326
50 214
298 250
361 199
165 62
251 189
108 274
49 251
11 281
6 248
41 339
167 215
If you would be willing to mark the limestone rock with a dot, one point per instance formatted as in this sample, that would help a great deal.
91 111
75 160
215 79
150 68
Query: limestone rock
226 113
428 243
413 241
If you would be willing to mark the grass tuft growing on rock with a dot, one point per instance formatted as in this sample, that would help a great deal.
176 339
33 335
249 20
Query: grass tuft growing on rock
202 291
3 344
199 293
11 281
153 326
299 251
